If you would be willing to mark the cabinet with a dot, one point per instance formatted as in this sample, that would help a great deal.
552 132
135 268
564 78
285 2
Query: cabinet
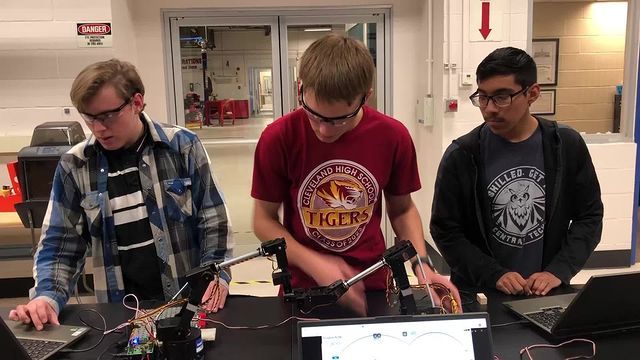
241 109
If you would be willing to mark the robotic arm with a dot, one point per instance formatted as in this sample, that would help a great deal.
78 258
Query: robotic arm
175 332
394 257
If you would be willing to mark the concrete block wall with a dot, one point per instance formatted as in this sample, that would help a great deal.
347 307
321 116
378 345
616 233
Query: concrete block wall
40 57
615 166
591 59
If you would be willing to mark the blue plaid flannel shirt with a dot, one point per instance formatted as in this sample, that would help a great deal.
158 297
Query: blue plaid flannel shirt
187 213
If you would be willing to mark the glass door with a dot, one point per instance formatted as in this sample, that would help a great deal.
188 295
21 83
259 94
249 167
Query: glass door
234 72
223 71
299 31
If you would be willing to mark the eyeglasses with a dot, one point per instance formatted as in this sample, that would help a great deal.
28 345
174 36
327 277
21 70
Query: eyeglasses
105 117
499 100
335 121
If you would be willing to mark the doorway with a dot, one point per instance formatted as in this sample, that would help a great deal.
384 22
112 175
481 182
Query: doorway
264 81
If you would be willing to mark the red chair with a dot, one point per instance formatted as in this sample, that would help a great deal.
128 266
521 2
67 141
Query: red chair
211 111
227 111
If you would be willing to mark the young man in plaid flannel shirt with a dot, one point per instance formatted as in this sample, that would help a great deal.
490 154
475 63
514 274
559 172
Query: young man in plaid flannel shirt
139 194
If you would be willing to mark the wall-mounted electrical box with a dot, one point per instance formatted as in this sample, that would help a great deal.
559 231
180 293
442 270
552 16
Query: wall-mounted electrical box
424 111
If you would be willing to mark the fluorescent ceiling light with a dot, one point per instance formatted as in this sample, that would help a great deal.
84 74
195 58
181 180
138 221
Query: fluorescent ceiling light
317 29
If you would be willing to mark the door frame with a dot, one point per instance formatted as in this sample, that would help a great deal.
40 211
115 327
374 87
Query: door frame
379 17
172 18
174 72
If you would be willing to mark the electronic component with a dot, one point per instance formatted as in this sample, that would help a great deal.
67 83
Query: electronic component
394 257
424 302
180 339
208 334
141 343
481 298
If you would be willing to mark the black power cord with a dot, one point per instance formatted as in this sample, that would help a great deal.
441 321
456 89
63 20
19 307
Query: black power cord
102 330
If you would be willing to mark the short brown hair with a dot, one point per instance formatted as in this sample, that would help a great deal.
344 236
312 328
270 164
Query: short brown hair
121 75
337 68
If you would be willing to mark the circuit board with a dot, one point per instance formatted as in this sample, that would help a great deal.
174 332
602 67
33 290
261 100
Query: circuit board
142 339
140 343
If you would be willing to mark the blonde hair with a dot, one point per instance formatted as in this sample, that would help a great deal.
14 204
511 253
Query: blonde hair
337 68
121 75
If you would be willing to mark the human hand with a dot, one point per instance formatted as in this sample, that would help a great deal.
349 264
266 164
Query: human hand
541 283
38 311
511 283
438 294
335 268
215 296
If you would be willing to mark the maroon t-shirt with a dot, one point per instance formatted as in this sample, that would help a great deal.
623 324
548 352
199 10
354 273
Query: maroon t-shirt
331 192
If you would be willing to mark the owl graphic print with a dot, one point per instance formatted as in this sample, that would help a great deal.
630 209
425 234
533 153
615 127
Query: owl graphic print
517 198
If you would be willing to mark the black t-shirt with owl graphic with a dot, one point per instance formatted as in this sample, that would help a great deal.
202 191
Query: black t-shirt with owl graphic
514 181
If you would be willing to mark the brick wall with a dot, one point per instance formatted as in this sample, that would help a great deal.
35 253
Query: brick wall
591 60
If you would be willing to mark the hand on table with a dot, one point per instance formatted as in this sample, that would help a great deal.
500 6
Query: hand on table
215 296
511 283
541 283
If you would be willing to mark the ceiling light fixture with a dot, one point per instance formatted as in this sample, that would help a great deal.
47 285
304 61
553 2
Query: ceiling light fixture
317 29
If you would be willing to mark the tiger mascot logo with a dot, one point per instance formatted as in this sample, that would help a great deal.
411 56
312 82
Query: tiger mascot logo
336 202
340 194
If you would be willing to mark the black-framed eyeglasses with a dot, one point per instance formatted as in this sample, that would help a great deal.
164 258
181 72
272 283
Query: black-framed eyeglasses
105 117
335 121
499 100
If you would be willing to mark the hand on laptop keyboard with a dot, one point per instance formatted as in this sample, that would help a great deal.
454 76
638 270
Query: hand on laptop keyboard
37 312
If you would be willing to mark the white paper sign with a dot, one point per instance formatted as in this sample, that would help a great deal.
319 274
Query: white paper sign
91 35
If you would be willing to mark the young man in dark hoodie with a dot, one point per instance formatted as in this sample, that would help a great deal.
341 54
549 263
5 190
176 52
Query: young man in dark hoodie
517 202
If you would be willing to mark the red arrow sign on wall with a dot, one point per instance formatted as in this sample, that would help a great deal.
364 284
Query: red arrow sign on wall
484 28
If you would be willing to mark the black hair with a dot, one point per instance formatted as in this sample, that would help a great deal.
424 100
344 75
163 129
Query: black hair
508 61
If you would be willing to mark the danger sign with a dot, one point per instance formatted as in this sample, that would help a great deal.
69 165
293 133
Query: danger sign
94 34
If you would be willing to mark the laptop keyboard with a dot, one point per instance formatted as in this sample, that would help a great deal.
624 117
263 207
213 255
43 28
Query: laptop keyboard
38 349
547 317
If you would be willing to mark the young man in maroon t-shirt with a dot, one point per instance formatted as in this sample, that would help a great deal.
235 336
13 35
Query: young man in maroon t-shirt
328 164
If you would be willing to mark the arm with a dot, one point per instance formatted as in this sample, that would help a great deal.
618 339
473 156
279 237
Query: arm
267 226
586 212
270 187
406 223
59 258
213 227
448 220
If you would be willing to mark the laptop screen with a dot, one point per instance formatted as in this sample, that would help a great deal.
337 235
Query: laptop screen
451 337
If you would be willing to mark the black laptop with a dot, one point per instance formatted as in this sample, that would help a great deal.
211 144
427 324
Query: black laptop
606 303
23 342
457 336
